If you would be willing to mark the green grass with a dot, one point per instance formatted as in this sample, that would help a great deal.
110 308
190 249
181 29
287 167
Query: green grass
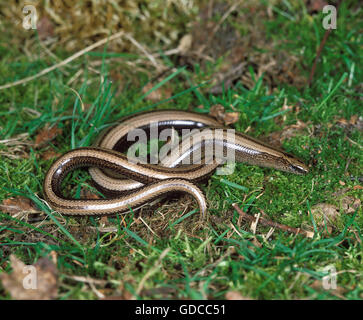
208 260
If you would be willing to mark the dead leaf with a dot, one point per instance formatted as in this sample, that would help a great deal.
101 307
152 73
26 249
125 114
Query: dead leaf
88 194
325 210
350 204
104 220
17 205
217 111
46 134
275 139
116 75
231 117
158 94
288 133
341 192
44 281
45 28
185 43
353 119
50 154
343 122
237 54
354 122
235 295
316 5
53 255
292 130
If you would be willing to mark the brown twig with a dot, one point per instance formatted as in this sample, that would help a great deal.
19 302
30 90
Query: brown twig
64 62
270 223
322 44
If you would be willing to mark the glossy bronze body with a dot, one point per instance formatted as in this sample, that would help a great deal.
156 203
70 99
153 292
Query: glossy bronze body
146 182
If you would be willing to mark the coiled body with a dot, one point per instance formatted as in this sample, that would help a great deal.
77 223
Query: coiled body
145 182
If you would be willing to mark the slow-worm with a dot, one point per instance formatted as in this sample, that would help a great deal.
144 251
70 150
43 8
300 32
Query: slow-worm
149 181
